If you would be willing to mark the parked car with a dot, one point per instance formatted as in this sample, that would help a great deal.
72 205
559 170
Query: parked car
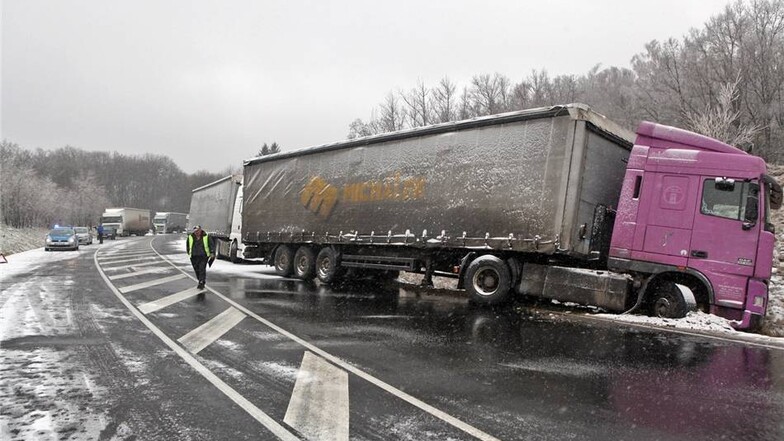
83 235
62 238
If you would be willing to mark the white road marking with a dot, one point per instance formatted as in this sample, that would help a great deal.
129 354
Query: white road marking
136 265
265 420
318 408
155 282
156 305
207 333
449 419
134 259
139 273
104 256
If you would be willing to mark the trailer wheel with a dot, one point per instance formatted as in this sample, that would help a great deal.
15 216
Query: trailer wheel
328 265
284 261
233 252
488 280
304 263
671 300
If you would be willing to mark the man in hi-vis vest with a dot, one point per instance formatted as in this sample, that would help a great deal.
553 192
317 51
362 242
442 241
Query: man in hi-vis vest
200 248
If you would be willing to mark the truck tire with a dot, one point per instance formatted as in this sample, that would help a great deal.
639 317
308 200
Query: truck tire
671 300
328 265
305 263
233 252
488 280
284 261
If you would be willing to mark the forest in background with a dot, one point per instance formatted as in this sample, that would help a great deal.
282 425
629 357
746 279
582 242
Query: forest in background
73 186
725 80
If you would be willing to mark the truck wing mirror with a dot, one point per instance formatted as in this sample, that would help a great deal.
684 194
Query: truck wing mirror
751 213
724 184
774 189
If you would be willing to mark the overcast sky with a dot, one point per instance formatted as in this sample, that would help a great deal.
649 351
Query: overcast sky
207 82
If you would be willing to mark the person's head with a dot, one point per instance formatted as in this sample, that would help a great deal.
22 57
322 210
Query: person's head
197 230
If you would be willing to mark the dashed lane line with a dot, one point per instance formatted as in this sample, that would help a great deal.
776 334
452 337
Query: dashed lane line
138 286
207 333
157 305
106 256
139 273
265 420
134 259
318 407
447 418
136 265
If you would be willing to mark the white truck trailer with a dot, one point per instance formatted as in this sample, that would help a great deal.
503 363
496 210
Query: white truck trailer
127 221
168 222
217 208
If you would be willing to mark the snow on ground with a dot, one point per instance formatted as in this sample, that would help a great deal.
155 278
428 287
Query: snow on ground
16 240
41 388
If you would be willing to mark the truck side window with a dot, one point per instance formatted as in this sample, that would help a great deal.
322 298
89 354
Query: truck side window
729 204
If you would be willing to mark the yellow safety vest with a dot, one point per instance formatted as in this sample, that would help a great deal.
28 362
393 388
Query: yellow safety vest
206 244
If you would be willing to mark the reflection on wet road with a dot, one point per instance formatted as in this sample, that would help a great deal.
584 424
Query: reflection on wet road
260 357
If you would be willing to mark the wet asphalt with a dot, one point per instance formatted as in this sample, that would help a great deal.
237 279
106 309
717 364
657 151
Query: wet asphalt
511 373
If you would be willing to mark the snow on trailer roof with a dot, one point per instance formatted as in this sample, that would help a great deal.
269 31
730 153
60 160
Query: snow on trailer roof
236 178
576 110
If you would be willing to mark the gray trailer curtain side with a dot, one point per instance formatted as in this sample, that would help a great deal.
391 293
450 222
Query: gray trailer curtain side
528 181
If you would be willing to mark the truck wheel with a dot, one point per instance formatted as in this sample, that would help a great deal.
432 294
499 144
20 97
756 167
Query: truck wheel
304 263
488 280
328 265
671 300
233 252
284 261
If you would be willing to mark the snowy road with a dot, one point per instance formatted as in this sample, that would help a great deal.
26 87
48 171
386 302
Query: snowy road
115 342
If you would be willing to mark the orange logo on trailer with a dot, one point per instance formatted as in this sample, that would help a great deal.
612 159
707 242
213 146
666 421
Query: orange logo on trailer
320 197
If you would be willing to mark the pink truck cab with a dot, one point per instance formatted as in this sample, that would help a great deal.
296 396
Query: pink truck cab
695 211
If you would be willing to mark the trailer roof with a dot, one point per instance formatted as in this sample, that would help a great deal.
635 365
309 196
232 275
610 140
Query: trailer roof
236 178
576 111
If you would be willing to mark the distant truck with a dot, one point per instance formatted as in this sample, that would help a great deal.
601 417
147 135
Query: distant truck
168 222
216 207
557 203
127 221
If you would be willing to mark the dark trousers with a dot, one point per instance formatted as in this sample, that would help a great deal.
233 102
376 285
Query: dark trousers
200 267
100 237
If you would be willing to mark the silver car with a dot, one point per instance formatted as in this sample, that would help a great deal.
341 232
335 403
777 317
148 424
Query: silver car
83 235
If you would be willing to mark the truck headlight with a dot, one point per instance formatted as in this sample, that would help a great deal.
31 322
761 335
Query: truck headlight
759 301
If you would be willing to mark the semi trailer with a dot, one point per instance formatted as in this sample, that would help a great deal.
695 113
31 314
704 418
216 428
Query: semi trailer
216 208
555 203
127 221
169 222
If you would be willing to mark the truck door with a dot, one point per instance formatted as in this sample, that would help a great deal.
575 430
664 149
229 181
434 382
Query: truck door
725 236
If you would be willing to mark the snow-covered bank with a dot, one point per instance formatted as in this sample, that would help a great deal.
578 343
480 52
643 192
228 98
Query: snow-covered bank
16 240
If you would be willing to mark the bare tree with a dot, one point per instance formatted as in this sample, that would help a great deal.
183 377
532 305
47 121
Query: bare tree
418 105
392 116
444 101
722 121
490 93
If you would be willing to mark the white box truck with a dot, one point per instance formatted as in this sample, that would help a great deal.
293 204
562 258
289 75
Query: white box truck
168 222
127 221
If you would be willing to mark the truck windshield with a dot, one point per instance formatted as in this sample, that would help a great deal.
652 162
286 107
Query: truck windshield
159 219
726 203
112 219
